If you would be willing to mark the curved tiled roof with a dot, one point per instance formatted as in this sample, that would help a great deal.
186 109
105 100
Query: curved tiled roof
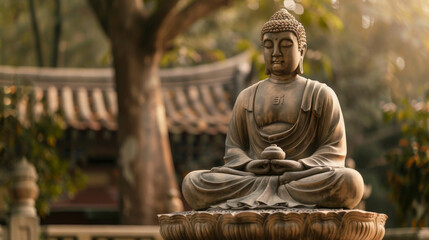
197 99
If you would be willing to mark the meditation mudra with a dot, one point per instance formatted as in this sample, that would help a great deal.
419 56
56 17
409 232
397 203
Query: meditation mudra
286 142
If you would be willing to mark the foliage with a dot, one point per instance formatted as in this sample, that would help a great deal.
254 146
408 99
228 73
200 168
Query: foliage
237 28
38 138
363 62
368 51
409 161
81 43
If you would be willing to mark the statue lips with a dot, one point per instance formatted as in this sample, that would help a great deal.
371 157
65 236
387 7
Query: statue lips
277 67
277 64
277 61
257 175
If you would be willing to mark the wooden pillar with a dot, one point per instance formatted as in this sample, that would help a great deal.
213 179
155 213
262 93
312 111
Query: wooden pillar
23 221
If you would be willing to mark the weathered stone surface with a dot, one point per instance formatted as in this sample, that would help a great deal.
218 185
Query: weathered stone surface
285 148
286 140
291 223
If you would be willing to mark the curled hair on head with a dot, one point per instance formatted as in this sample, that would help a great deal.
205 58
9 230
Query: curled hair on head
283 21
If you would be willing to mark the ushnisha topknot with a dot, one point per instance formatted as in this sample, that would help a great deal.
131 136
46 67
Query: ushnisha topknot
283 21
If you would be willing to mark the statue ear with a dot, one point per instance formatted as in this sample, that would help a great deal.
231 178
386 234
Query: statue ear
300 68
303 50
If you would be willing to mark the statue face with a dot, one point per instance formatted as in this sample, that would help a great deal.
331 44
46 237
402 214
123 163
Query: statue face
281 53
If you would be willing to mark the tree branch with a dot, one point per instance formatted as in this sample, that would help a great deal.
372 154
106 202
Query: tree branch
57 34
124 15
101 9
197 9
163 10
36 33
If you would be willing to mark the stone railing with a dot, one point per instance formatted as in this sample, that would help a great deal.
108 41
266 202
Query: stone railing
101 232
91 232
23 222
406 234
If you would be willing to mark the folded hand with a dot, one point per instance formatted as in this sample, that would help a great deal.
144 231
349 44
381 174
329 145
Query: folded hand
259 167
278 167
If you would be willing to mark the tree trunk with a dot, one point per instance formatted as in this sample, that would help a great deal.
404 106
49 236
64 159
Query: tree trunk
148 184
138 37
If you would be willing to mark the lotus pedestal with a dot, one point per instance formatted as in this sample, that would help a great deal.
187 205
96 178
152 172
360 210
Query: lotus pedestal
292 223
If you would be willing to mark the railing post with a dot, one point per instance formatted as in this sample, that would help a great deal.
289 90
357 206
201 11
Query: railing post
23 220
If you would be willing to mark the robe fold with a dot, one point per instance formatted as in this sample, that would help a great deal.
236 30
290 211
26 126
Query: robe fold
317 139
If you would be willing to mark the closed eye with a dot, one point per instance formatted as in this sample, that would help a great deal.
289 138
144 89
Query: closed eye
286 43
268 44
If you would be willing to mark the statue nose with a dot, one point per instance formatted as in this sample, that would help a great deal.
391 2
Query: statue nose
276 52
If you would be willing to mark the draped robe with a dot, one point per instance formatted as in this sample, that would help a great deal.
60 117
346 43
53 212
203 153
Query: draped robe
316 139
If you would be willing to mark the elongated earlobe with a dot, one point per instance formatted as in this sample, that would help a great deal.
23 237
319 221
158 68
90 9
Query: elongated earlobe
300 68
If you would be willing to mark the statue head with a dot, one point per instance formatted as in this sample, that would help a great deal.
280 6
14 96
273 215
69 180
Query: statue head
283 39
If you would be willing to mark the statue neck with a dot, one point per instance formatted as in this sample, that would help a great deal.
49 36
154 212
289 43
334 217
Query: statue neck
283 79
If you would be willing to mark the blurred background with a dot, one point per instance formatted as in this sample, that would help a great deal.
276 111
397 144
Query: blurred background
373 53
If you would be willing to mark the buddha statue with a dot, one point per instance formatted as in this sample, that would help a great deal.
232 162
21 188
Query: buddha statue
286 142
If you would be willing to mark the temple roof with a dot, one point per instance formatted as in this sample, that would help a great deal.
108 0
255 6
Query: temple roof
197 99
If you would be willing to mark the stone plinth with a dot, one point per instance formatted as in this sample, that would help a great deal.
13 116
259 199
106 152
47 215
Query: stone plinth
290 223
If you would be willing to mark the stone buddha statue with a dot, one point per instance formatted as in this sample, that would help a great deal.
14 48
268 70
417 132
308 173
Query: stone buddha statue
286 142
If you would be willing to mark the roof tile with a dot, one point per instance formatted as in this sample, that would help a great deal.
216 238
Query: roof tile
198 100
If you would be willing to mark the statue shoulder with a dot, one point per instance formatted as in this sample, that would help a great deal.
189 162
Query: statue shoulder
322 96
250 90
246 96
321 90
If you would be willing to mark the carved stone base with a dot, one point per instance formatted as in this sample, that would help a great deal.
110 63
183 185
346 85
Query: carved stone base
290 223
